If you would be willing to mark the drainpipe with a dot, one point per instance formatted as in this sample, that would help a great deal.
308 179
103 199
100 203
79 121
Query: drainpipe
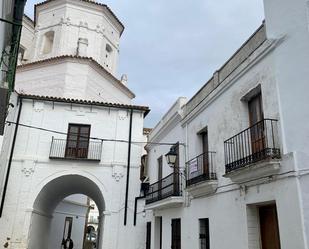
128 169
135 207
10 159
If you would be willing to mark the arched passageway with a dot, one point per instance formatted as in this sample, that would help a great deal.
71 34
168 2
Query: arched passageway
48 199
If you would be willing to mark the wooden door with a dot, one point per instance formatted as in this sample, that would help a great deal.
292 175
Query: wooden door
256 117
205 153
148 235
269 227
176 234
161 228
77 141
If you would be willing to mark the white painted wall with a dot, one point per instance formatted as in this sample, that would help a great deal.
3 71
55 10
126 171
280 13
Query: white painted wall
37 184
282 73
292 58
6 141
168 130
32 169
75 78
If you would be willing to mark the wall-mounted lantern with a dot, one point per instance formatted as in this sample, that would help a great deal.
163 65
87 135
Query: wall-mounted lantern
171 156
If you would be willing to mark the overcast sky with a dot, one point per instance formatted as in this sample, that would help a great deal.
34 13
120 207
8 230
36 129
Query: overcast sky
170 48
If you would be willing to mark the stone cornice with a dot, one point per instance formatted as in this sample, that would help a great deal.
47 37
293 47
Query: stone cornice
67 21
106 10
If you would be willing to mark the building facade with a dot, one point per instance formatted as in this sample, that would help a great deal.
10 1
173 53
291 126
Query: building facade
72 129
241 175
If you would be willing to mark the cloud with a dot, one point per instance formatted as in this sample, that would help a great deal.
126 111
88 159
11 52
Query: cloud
171 48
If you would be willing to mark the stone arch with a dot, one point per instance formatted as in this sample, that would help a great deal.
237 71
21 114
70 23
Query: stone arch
52 191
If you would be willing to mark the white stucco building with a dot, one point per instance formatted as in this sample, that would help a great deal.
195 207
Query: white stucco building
73 130
242 148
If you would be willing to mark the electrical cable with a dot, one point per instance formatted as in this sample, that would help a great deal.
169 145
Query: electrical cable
93 138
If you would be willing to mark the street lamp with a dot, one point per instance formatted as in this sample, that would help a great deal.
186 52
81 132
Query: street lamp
171 156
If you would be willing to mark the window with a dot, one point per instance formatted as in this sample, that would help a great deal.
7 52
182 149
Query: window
176 234
144 168
204 234
109 51
255 109
48 41
77 141
148 235
108 48
204 137
160 162
67 228
257 130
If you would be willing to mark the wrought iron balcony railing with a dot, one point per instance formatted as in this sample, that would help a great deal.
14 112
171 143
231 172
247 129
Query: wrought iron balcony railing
200 168
75 150
167 187
254 144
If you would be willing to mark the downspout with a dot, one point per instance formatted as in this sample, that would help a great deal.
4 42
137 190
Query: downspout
128 169
10 159
135 206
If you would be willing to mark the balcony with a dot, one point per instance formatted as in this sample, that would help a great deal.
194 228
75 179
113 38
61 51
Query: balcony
165 193
201 177
254 152
87 150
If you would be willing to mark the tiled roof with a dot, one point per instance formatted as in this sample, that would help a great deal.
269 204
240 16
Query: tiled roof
28 18
85 102
79 58
92 2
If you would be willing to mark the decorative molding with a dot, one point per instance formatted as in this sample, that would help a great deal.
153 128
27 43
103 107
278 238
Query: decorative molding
38 106
122 115
98 29
28 167
117 173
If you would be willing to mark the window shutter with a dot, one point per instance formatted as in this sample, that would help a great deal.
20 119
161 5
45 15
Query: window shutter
3 108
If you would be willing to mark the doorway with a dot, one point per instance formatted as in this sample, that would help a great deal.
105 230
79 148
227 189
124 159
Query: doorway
269 228
176 234
256 117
